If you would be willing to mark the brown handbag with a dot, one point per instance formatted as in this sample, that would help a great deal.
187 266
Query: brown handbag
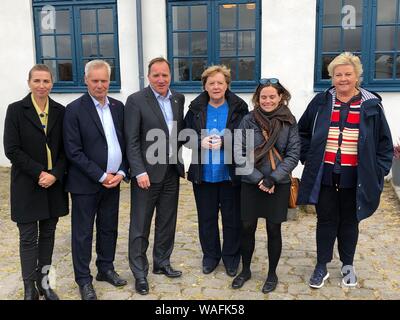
294 182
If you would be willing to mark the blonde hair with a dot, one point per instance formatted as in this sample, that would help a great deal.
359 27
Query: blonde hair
210 71
97 64
346 58
40 67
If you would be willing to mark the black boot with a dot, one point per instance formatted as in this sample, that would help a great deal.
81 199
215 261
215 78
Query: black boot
44 287
30 291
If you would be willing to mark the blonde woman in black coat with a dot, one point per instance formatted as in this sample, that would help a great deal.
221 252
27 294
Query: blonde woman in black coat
33 143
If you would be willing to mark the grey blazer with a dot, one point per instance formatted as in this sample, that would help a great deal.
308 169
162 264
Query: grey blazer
142 114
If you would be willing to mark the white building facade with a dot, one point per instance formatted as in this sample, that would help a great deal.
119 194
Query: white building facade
291 40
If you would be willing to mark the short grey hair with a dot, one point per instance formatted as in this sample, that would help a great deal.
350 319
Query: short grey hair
96 64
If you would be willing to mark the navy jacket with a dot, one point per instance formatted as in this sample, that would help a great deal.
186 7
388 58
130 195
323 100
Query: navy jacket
375 150
86 145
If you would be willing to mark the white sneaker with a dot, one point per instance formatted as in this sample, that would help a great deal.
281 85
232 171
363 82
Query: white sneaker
349 276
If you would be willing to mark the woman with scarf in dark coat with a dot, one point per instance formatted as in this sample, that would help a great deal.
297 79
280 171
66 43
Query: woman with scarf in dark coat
347 149
265 191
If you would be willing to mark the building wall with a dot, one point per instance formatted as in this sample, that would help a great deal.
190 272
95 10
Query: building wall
287 52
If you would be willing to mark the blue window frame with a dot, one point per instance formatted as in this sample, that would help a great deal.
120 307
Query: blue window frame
203 33
70 33
369 29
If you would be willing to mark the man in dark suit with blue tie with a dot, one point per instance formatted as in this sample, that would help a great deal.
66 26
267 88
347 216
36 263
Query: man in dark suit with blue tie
155 111
95 148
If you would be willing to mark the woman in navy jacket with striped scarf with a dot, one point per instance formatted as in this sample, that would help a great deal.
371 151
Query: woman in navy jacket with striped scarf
347 149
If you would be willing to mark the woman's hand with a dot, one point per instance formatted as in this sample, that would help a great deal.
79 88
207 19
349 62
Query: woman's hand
46 179
265 189
213 142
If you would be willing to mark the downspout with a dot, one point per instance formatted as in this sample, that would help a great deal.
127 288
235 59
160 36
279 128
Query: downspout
140 42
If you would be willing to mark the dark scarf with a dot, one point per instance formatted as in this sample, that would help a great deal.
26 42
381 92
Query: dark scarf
271 124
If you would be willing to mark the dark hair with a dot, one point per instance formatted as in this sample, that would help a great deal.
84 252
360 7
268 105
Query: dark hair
157 60
40 67
281 91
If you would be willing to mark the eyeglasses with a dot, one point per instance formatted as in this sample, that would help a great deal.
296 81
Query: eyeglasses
268 81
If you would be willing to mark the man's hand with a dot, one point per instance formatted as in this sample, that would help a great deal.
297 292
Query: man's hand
46 179
112 181
144 181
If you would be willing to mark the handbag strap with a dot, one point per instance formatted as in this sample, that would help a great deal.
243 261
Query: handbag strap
271 156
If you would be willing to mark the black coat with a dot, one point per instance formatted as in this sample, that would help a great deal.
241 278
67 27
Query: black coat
287 144
375 150
25 146
196 119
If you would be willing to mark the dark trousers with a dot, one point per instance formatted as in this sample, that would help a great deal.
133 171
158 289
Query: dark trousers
210 199
274 234
337 218
36 243
163 197
86 208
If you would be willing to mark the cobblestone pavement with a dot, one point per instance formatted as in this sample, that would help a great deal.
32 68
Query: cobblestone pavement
377 260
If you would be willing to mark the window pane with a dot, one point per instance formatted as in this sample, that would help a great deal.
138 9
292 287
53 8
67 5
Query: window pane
227 16
111 62
46 22
246 69
181 70
180 18
386 11
88 21
247 43
247 16
48 47
89 45
198 66
326 60
199 43
106 45
385 38
52 66
358 6
398 67
231 64
199 17
62 22
383 66
332 12
181 44
352 39
106 20
227 43
331 38
64 70
63 46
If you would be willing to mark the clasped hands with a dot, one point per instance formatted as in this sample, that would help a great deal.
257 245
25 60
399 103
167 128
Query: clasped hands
112 180
213 142
266 189
46 179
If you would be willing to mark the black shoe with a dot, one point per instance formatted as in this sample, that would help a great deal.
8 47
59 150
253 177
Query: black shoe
43 286
168 271
30 291
111 277
270 284
231 271
141 286
239 281
87 292
208 269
